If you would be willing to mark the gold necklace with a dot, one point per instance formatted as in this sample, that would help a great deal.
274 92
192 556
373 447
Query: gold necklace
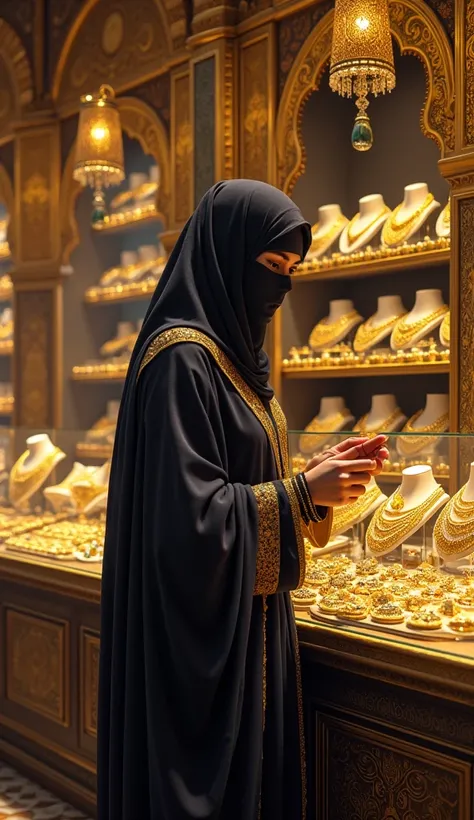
385 532
455 537
344 517
354 235
395 230
447 215
405 332
332 424
24 483
413 443
368 333
326 333
326 239
463 509
384 426
445 330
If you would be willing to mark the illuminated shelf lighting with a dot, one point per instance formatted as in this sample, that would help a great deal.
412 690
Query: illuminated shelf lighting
126 219
6 406
120 293
430 253
6 347
345 372
5 252
100 373
84 450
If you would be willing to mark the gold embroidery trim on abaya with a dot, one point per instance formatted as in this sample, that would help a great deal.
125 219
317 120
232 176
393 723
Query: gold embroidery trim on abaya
268 549
297 524
280 450
178 335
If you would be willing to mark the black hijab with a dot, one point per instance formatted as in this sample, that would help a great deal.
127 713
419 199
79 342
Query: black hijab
213 283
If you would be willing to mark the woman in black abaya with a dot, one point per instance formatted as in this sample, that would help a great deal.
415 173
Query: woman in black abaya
199 700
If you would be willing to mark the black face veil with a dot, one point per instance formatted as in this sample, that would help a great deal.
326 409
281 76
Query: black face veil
207 283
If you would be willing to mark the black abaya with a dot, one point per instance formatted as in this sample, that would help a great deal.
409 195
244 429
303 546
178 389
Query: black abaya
199 700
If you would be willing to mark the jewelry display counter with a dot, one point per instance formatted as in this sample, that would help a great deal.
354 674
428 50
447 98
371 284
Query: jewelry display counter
386 627
388 690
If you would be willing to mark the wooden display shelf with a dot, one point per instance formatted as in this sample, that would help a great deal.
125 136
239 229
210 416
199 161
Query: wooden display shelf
87 451
6 348
128 220
5 252
99 373
120 293
425 369
356 267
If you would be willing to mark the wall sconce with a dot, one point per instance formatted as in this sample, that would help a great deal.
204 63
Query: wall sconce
99 151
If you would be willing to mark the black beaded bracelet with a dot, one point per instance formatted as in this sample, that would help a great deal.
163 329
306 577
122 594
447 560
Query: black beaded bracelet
315 513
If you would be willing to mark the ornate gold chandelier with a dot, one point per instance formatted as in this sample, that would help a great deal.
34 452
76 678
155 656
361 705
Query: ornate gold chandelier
362 59
99 151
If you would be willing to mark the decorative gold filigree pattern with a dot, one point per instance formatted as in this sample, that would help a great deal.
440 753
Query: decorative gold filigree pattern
268 548
182 148
469 76
254 95
466 315
17 62
84 63
33 373
375 776
35 653
418 32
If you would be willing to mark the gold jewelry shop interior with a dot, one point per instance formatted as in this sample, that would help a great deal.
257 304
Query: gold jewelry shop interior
376 335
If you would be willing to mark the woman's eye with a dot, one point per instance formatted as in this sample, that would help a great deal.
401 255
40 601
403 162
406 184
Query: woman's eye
274 265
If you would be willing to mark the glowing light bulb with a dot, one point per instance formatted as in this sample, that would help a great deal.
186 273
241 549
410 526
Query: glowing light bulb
362 23
98 133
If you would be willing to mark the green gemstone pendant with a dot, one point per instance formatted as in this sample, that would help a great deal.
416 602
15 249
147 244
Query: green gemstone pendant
98 207
362 134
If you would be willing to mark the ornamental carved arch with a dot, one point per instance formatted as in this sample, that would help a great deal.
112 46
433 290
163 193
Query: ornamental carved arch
117 42
417 31
139 122
7 199
16 77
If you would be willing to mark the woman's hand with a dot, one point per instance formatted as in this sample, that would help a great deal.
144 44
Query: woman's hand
343 474
367 448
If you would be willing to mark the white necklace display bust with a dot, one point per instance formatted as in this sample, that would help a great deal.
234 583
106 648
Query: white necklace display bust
365 225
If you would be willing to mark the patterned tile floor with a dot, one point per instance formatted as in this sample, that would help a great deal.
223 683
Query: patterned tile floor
20 799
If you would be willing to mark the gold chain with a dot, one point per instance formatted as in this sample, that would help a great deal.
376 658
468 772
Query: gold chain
368 332
405 331
416 443
362 427
395 230
386 532
447 214
445 329
326 239
325 333
354 235
344 517
463 509
332 424
455 537
22 484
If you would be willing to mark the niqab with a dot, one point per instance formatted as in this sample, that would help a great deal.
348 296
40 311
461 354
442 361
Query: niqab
207 283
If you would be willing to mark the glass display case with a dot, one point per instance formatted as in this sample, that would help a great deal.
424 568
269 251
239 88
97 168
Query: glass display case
400 560
53 497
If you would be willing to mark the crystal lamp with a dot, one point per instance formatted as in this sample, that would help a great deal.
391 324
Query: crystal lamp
361 59
99 152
